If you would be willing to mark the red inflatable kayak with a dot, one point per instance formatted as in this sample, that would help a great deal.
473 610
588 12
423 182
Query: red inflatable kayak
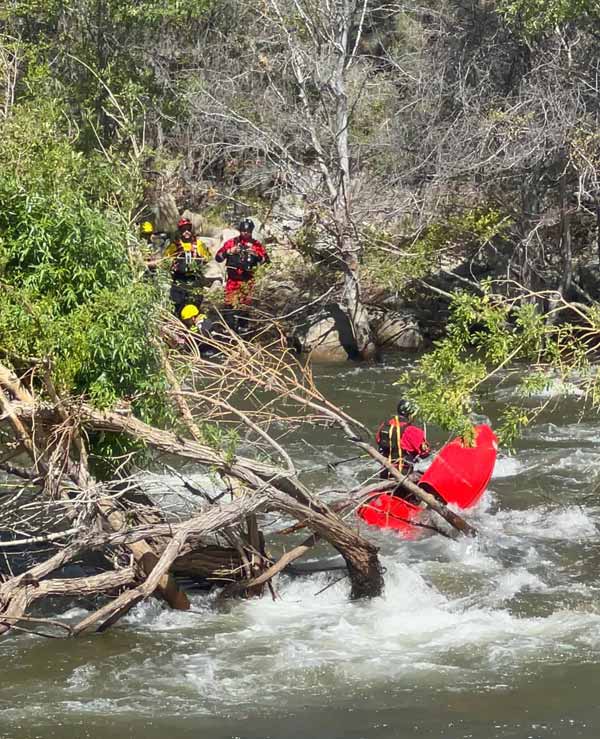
389 512
459 474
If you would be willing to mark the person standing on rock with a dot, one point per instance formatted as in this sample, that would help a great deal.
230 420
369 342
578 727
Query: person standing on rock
189 257
401 442
242 255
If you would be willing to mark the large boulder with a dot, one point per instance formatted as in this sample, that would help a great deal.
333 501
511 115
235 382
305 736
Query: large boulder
214 273
196 219
288 215
395 329
167 213
226 234
326 336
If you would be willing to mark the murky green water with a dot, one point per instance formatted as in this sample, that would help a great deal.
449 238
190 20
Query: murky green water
493 638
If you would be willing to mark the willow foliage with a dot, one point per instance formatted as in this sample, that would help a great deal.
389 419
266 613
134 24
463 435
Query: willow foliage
492 338
72 294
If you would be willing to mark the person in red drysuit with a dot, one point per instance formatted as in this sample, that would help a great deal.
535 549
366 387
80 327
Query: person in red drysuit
401 442
242 255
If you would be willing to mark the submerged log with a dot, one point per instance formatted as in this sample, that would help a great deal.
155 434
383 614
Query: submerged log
210 563
284 561
360 555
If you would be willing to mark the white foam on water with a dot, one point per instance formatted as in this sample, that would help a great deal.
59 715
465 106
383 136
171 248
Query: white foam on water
569 523
581 460
555 388
264 651
82 678
510 583
572 433
507 467
485 503
97 706
340 372
307 647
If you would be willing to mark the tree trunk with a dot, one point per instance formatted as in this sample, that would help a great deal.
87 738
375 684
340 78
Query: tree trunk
348 243
565 236
359 554
356 312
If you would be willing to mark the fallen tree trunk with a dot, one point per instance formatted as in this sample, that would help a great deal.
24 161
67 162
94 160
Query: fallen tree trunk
13 593
210 563
160 549
77 471
360 555
32 590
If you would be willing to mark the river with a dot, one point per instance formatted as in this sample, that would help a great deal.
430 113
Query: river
489 638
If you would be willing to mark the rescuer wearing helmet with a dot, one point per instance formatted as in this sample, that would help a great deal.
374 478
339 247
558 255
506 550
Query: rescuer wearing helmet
146 230
402 443
199 329
157 243
189 257
242 255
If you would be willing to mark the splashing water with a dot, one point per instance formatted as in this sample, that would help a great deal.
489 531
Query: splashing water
493 637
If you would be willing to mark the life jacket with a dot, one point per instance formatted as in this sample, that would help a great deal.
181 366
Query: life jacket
389 440
189 258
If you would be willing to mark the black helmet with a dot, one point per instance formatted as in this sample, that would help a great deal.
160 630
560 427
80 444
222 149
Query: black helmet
246 224
405 408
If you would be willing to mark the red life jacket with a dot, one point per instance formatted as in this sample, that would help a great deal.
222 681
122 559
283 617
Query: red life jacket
401 442
389 439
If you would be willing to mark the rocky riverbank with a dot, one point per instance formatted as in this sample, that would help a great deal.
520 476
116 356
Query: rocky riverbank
304 297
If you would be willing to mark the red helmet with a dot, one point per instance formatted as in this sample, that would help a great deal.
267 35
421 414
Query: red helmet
184 224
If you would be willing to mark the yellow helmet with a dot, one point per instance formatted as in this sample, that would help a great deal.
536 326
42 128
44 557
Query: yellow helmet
189 311
146 227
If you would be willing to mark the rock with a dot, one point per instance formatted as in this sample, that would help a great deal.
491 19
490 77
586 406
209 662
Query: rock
262 231
323 341
213 230
395 330
214 273
167 213
226 234
326 336
196 219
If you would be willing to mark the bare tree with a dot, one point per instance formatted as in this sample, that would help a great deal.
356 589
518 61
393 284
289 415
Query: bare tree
290 98
10 58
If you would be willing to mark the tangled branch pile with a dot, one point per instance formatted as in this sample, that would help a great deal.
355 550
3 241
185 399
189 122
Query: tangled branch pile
53 503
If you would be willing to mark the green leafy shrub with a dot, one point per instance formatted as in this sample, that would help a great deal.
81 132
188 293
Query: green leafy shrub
491 336
72 295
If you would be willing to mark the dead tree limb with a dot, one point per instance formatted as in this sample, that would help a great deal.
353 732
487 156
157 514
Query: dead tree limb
13 596
285 560
79 474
